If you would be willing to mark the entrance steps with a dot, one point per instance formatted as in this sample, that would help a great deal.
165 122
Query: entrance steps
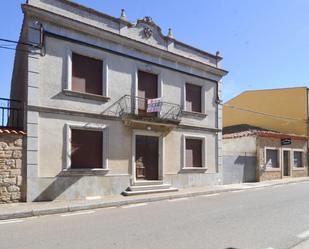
148 187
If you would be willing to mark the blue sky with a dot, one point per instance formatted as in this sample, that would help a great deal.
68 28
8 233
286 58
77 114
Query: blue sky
265 43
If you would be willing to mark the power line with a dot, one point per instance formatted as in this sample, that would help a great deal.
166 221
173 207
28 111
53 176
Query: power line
16 49
20 42
266 114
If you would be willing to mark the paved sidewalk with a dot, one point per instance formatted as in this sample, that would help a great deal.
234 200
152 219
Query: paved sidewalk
22 210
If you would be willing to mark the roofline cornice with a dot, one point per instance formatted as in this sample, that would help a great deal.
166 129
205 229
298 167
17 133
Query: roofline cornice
49 16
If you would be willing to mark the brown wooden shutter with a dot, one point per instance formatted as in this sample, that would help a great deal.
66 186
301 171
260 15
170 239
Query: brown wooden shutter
86 74
193 98
147 89
86 149
193 153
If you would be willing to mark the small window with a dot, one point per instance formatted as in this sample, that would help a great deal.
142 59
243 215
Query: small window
86 149
298 159
193 153
86 74
193 98
272 158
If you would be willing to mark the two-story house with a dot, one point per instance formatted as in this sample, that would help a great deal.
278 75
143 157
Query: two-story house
113 106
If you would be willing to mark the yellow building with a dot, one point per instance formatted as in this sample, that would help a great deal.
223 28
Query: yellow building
284 110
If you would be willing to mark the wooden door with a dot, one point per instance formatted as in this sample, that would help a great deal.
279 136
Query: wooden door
286 163
147 157
147 89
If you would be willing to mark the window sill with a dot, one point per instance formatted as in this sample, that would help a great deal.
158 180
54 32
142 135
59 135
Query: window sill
194 114
298 168
193 169
91 96
84 172
272 169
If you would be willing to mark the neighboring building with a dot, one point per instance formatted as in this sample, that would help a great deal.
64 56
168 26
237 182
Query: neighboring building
284 110
91 128
256 154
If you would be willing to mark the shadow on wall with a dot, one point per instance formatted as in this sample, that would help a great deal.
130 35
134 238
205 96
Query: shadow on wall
249 167
57 187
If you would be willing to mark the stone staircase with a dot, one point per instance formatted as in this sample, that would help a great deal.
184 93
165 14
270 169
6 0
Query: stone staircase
148 187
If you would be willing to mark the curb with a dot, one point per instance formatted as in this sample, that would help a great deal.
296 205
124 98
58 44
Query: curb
97 205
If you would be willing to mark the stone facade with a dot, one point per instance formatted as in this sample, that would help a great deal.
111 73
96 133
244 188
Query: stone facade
11 156
263 173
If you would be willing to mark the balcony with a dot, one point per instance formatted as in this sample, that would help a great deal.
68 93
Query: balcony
11 114
140 111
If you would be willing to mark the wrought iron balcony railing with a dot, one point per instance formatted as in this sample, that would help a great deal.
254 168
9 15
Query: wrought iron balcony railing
146 109
10 114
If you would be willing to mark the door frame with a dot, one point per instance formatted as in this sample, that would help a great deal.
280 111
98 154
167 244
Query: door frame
136 132
290 162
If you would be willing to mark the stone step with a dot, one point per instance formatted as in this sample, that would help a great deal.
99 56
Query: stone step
148 187
154 191
148 182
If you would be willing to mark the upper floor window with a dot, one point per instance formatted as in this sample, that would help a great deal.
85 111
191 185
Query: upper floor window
87 74
193 98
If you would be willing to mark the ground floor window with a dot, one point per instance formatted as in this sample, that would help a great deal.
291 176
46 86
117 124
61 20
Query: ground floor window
86 149
272 158
298 159
193 153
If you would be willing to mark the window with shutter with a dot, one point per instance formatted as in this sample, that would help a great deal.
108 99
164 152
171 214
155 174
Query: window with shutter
193 98
86 74
86 149
193 153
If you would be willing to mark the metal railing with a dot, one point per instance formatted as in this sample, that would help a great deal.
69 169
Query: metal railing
11 114
136 107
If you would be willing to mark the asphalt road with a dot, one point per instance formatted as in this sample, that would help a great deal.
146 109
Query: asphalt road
274 217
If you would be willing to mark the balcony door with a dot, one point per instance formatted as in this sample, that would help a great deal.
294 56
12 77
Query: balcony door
147 89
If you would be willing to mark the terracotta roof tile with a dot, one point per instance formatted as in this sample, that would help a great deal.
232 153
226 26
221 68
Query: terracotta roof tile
11 131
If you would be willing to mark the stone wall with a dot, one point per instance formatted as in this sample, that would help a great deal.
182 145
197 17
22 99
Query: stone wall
11 180
270 175
300 173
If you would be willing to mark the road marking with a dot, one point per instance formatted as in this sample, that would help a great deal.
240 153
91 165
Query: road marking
91 198
77 213
270 248
10 221
134 205
178 199
106 208
210 195
303 235
237 191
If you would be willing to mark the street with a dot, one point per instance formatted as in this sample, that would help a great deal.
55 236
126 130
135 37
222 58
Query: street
275 217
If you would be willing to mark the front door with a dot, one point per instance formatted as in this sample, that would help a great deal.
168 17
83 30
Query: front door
147 89
147 157
286 163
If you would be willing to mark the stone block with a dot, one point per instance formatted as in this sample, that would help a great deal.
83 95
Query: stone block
17 154
6 154
15 172
5 173
13 188
18 163
3 190
10 180
10 162
3 145
19 180
15 196
18 142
